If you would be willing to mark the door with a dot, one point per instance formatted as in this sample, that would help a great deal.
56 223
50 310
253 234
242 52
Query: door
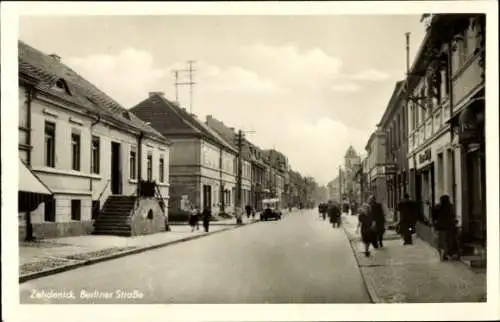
207 196
116 182
476 180
418 191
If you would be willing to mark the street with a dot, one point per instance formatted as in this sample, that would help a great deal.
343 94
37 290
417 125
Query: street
300 259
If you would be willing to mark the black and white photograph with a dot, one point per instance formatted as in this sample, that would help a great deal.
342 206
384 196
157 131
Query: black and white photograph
249 154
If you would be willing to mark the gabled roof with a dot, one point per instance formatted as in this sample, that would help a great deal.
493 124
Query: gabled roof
50 71
172 120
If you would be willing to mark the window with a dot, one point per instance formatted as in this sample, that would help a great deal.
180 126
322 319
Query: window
50 140
50 210
75 148
150 167
162 169
95 154
132 163
76 209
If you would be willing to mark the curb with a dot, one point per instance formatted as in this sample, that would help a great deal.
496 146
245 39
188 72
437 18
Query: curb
370 289
60 269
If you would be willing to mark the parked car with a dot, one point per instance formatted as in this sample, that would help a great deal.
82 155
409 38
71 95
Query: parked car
271 209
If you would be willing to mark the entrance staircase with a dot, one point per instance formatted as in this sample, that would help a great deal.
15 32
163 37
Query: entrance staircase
114 218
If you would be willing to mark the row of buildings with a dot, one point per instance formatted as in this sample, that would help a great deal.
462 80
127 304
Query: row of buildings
430 140
89 165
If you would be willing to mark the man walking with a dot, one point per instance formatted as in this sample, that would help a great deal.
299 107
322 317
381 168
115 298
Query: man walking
407 219
377 213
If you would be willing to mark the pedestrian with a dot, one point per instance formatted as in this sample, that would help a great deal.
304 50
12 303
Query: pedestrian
407 219
444 222
248 210
367 226
207 216
377 213
193 218
354 208
334 213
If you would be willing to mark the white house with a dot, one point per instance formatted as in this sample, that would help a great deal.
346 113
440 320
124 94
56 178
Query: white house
83 146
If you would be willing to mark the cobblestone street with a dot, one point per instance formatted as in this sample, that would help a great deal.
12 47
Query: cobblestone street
414 274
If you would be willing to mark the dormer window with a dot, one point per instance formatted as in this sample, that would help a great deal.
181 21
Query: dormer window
126 115
62 86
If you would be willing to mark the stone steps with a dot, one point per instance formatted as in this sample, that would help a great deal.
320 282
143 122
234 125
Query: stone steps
114 218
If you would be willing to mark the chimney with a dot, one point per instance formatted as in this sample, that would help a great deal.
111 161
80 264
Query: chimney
55 57
208 118
156 93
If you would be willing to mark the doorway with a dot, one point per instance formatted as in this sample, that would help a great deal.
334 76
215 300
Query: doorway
477 194
116 171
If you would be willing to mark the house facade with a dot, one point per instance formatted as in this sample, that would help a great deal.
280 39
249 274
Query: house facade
202 163
277 174
258 172
394 124
446 130
375 165
229 134
77 140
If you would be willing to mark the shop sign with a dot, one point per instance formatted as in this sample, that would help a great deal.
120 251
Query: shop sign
425 156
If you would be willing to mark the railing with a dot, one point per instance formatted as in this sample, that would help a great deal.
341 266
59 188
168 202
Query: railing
97 205
159 197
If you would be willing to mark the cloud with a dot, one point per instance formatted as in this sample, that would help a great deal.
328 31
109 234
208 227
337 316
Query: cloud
233 79
373 75
127 77
288 65
349 87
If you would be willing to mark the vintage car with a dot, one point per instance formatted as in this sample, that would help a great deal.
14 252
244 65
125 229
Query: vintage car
271 209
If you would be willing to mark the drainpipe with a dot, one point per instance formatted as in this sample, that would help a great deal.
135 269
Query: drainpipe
98 119
139 159
29 97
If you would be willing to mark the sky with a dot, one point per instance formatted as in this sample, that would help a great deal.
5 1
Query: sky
308 86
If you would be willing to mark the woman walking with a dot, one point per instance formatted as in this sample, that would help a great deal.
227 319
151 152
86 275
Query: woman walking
193 218
367 226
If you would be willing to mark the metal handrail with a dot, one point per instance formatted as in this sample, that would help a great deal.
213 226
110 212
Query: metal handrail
102 192
159 197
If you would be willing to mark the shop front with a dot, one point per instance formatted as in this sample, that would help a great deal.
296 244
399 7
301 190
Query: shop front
469 127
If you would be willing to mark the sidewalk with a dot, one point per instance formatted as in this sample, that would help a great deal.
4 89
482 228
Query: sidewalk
414 274
50 256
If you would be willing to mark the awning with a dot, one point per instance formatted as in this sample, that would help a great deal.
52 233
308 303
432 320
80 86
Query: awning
31 192
29 182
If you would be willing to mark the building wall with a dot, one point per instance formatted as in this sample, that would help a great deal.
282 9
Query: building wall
68 184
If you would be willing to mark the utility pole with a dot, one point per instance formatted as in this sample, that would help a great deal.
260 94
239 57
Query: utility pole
340 186
190 82
176 83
